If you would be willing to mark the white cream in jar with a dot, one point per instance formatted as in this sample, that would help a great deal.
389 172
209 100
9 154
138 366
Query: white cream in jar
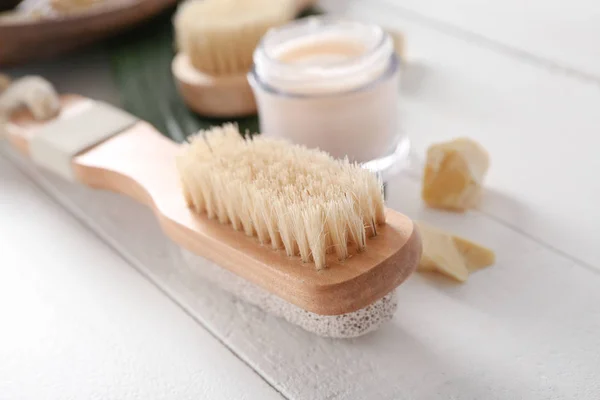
331 84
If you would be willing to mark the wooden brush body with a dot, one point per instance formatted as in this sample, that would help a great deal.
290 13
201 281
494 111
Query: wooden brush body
140 163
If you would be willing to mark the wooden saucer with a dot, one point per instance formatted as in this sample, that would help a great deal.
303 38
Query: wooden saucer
213 96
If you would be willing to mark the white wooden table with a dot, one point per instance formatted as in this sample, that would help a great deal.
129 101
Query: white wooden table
79 322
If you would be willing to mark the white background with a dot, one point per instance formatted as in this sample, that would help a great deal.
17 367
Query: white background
81 318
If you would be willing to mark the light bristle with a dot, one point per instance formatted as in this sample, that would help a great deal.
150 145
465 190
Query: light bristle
284 225
288 196
245 207
315 225
267 213
337 227
298 220
219 36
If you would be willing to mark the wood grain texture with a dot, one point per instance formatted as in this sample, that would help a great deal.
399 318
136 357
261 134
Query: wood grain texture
76 322
140 163
557 34
29 40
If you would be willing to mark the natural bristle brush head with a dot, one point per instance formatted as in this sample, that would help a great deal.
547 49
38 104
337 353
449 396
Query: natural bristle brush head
221 195
317 220
219 36
216 41
300 200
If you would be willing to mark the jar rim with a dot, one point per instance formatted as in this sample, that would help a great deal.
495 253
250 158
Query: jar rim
255 81
274 72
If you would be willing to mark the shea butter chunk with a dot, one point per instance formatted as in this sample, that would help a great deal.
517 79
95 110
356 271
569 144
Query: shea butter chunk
451 255
454 174
474 255
398 41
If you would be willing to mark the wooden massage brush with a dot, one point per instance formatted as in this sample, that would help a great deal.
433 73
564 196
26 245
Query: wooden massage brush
283 271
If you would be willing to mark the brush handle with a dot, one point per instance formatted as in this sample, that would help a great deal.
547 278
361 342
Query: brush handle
99 146
103 147
137 161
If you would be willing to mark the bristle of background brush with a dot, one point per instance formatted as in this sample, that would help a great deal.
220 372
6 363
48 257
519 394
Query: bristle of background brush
219 36
289 197
67 6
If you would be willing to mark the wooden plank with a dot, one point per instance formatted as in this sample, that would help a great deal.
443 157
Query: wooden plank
79 323
540 127
560 34
525 328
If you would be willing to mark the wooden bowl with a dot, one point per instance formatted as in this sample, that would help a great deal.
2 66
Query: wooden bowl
30 39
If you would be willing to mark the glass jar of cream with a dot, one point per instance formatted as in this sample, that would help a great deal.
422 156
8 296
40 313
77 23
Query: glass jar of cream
331 84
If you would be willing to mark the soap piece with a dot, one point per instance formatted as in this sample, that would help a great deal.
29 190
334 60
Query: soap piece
33 92
451 255
475 256
440 254
454 174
